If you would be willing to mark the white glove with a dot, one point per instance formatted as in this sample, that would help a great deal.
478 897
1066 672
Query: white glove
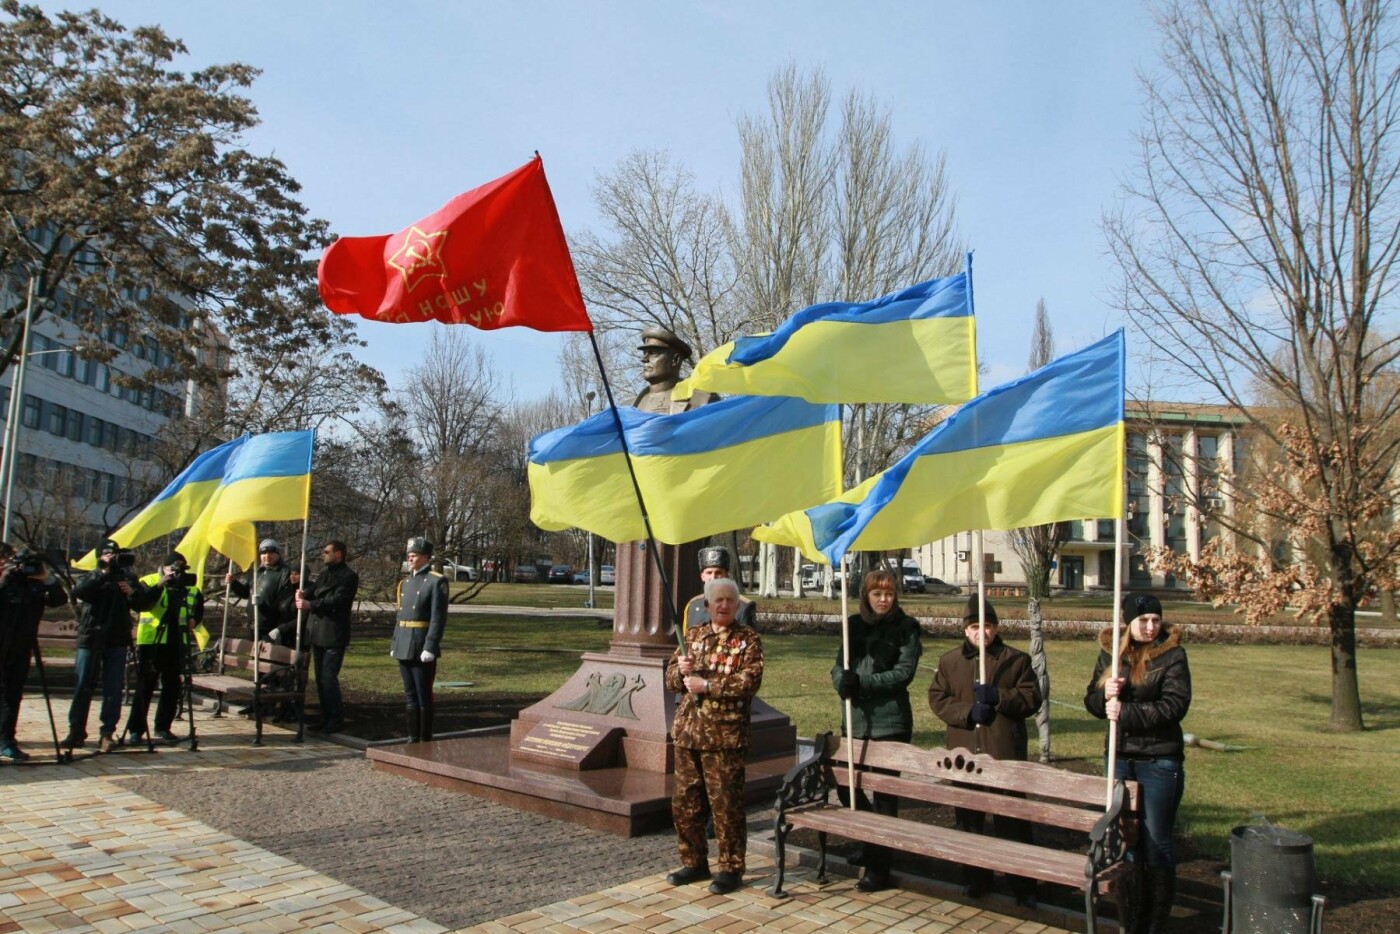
426 656
272 636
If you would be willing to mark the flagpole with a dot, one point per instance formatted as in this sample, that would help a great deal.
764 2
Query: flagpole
301 579
1117 627
981 608
670 604
257 653
846 654
223 630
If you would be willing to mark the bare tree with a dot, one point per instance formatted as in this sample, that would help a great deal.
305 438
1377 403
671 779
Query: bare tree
667 263
1256 248
454 410
1037 547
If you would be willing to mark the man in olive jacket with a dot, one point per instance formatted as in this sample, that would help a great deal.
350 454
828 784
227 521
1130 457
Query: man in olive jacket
329 600
417 641
987 718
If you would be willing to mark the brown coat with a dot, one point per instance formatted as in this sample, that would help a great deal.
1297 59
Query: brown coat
732 660
951 698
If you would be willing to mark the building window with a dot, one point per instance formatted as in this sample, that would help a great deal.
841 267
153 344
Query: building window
94 431
57 418
111 437
32 407
75 425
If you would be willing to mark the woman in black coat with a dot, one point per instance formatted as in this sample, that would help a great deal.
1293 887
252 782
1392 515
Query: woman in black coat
1148 701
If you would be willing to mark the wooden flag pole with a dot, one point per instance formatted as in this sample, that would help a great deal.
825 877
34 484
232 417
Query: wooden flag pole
223 629
1117 629
301 579
846 654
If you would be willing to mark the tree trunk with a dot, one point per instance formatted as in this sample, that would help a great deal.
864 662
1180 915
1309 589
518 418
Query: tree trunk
1346 690
1388 607
1042 677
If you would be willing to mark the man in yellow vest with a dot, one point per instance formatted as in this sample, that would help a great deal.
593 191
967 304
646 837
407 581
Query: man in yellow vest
170 607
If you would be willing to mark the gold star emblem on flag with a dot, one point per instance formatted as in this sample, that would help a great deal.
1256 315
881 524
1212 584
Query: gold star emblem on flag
420 257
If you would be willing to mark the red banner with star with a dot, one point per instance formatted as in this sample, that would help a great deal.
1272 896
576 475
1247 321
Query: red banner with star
493 257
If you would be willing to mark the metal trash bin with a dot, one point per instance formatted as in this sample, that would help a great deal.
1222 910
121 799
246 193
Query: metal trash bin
1269 888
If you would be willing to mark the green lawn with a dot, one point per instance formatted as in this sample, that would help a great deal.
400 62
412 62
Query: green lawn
1341 789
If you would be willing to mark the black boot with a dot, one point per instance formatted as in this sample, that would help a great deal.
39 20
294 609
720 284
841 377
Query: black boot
415 726
425 716
1163 883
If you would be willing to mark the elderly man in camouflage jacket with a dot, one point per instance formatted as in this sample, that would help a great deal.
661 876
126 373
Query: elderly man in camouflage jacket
719 671
417 641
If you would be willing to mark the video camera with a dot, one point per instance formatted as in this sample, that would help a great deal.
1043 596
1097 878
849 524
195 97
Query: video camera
180 576
120 561
25 564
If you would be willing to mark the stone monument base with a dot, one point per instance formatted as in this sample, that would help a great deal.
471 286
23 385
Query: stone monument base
620 800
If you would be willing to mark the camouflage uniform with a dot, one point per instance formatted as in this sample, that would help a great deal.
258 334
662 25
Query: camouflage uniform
711 734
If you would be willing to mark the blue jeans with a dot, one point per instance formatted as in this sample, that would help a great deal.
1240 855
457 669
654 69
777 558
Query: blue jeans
1161 782
327 660
111 661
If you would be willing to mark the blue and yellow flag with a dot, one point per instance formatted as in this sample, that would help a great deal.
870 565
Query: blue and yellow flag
1047 447
178 505
268 479
918 345
724 466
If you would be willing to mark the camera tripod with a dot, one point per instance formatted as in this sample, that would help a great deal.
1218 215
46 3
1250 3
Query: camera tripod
60 754
145 689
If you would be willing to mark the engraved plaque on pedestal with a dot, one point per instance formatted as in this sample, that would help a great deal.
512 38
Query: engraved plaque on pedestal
568 744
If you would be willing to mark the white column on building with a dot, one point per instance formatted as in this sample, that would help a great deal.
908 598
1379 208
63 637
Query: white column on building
1157 501
1225 468
1191 484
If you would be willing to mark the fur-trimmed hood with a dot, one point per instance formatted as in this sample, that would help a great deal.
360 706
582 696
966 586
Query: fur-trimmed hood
1135 656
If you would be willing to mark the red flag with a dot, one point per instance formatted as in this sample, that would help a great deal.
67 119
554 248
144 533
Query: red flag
493 257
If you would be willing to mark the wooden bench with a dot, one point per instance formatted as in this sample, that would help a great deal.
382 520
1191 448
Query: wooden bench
1056 798
281 676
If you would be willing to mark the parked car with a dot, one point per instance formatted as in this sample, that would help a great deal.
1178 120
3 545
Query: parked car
561 574
459 572
911 580
581 577
526 574
934 585
607 574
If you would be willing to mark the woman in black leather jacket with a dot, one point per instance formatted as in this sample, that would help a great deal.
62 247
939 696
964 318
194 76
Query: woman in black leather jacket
1148 701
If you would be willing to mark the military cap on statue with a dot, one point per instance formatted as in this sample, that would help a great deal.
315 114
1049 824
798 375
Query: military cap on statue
660 337
714 557
419 546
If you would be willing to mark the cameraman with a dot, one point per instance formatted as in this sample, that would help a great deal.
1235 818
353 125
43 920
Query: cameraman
169 604
104 635
25 589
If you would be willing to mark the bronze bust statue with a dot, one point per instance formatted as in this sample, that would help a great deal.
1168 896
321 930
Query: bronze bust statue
663 353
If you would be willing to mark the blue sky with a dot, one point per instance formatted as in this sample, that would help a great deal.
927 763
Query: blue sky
384 111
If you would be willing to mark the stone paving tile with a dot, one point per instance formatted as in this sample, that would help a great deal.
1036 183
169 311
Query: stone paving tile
80 851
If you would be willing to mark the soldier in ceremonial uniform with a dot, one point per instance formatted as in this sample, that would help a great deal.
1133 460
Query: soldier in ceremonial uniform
714 562
417 641
720 672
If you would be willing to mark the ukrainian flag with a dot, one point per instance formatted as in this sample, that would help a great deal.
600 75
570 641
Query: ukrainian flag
1047 447
178 505
918 345
727 465
268 479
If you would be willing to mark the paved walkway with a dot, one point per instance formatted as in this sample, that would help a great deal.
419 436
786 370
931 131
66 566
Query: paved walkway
82 848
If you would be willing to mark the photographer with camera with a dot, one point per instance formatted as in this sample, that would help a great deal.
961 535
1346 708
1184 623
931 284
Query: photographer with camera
25 589
104 635
171 605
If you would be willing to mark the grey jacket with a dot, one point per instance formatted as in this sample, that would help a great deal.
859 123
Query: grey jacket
422 615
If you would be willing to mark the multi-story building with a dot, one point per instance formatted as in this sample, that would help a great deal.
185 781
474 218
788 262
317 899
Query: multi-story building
86 442
1176 455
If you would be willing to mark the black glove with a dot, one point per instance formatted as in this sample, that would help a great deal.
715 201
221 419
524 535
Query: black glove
982 714
849 688
987 694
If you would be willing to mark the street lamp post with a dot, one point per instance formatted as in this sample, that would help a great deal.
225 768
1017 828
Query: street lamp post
12 421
